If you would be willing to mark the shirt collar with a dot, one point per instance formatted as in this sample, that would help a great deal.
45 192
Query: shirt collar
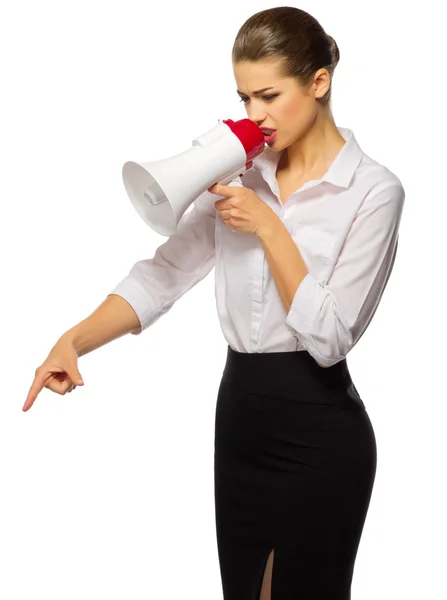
340 172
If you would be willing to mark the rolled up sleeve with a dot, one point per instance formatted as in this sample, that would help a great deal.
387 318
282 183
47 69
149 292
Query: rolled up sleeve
153 285
330 319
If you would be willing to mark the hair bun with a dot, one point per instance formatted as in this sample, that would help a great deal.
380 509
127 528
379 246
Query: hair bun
335 53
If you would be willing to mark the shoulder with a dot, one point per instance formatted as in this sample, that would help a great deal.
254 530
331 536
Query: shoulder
378 178
381 194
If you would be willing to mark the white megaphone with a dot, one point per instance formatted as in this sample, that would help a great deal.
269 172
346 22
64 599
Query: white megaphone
162 190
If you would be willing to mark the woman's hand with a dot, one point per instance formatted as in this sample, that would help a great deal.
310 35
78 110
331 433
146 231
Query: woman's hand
58 373
242 209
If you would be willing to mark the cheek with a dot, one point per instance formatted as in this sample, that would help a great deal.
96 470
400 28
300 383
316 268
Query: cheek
289 119
289 112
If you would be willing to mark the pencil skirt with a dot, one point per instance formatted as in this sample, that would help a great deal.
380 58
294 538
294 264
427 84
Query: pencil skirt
294 466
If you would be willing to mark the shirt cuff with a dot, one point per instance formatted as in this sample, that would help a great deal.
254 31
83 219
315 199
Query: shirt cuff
306 305
137 296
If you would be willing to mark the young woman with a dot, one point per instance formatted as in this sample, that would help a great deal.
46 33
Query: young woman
295 451
303 250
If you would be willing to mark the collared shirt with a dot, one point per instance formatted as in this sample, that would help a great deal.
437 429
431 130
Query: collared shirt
345 226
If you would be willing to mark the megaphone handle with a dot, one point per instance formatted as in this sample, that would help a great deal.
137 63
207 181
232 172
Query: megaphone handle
235 174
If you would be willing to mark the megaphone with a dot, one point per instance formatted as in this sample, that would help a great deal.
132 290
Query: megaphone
162 190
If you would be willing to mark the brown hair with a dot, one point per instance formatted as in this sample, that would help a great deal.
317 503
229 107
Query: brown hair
293 36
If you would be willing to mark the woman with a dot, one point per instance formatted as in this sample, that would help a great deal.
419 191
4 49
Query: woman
303 250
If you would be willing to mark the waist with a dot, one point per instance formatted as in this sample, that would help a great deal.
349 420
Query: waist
290 375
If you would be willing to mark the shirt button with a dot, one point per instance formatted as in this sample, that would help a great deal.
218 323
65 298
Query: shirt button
293 331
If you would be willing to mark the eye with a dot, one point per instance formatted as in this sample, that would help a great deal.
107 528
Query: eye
268 98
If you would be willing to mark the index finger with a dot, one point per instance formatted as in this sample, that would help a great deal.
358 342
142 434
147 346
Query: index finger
222 190
36 387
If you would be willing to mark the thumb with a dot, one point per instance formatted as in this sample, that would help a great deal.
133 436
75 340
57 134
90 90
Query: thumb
76 377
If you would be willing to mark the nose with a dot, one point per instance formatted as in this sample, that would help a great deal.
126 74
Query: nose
257 118
256 115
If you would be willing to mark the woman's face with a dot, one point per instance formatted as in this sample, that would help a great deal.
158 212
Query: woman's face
287 107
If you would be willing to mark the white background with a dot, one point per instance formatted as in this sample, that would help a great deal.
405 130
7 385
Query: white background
107 492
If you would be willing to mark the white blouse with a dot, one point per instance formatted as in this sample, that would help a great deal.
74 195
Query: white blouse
346 228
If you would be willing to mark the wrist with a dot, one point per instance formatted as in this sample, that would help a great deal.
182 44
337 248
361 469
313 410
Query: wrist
70 336
271 229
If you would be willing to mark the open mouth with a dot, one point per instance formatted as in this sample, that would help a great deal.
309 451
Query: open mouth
269 135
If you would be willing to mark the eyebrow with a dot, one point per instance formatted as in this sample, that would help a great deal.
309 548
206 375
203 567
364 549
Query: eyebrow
257 92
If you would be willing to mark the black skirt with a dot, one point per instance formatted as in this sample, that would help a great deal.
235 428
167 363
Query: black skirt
294 465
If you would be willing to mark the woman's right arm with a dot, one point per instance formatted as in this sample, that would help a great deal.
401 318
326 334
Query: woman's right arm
149 291
153 285
111 320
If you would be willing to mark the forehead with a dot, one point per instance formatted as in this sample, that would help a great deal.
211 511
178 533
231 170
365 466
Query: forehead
256 74
252 76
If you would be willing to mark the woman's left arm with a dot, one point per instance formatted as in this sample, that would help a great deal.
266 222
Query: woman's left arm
330 319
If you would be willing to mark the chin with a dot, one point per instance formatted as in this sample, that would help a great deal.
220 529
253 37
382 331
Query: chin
275 147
